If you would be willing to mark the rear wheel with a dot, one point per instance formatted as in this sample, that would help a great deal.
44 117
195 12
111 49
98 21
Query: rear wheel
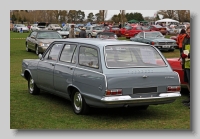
32 87
89 36
79 104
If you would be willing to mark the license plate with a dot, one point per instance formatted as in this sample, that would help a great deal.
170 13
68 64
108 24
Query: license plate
166 46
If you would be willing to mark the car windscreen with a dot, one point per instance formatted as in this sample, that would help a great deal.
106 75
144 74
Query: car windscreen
127 56
49 35
153 35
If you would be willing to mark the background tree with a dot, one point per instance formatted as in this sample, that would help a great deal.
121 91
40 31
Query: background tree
123 17
129 16
116 18
180 15
138 16
90 17
72 16
103 14
98 17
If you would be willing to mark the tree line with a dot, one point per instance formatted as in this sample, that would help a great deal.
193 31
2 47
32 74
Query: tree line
78 16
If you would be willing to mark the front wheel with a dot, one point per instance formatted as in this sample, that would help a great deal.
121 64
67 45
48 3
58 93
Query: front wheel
79 104
27 49
32 87
36 50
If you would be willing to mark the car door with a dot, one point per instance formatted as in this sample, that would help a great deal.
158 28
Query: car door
138 37
64 68
32 40
46 67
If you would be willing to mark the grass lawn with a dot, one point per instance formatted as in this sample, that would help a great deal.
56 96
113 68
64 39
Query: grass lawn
46 111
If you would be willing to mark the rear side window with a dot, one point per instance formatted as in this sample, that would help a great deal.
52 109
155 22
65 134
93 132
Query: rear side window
88 57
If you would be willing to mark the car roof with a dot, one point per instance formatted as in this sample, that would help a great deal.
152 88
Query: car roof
45 31
99 42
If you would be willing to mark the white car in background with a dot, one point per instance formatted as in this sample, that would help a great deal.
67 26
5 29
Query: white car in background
18 27
34 27
64 32
54 27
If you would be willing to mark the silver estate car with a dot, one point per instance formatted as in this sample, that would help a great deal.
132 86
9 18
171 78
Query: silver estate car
103 73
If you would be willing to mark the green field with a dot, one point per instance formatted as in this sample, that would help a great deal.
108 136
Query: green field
46 111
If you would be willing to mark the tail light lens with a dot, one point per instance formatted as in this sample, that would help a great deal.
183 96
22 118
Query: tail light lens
173 88
113 92
152 43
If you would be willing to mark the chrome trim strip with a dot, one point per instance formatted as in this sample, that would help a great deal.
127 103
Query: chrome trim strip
128 100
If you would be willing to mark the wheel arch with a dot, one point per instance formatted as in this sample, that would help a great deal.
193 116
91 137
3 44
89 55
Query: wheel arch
27 73
71 89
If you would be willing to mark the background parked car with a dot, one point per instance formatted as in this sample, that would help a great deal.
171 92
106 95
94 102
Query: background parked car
18 27
176 65
64 32
91 31
159 28
42 26
39 40
133 30
156 39
106 35
54 27
34 27
114 29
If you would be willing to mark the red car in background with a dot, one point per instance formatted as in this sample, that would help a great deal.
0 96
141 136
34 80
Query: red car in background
114 29
131 32
174 37
176 65
162 30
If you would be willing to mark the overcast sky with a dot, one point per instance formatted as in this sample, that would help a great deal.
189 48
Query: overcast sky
112 12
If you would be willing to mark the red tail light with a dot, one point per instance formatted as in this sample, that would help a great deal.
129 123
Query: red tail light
152 43
93 31
173 88
113 92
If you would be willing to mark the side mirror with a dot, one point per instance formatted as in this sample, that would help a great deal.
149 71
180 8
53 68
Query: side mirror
40 56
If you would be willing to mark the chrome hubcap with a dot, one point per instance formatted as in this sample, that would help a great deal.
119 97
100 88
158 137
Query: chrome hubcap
31 85
78 101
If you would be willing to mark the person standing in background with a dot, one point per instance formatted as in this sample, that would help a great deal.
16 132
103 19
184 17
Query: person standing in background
120 25
71 32
186 62
180 39
82 33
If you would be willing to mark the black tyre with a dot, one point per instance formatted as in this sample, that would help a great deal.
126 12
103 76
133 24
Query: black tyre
32 87
171 50
36 50
89 36
79 104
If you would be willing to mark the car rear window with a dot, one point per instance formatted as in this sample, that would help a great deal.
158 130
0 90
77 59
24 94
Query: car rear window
125 56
